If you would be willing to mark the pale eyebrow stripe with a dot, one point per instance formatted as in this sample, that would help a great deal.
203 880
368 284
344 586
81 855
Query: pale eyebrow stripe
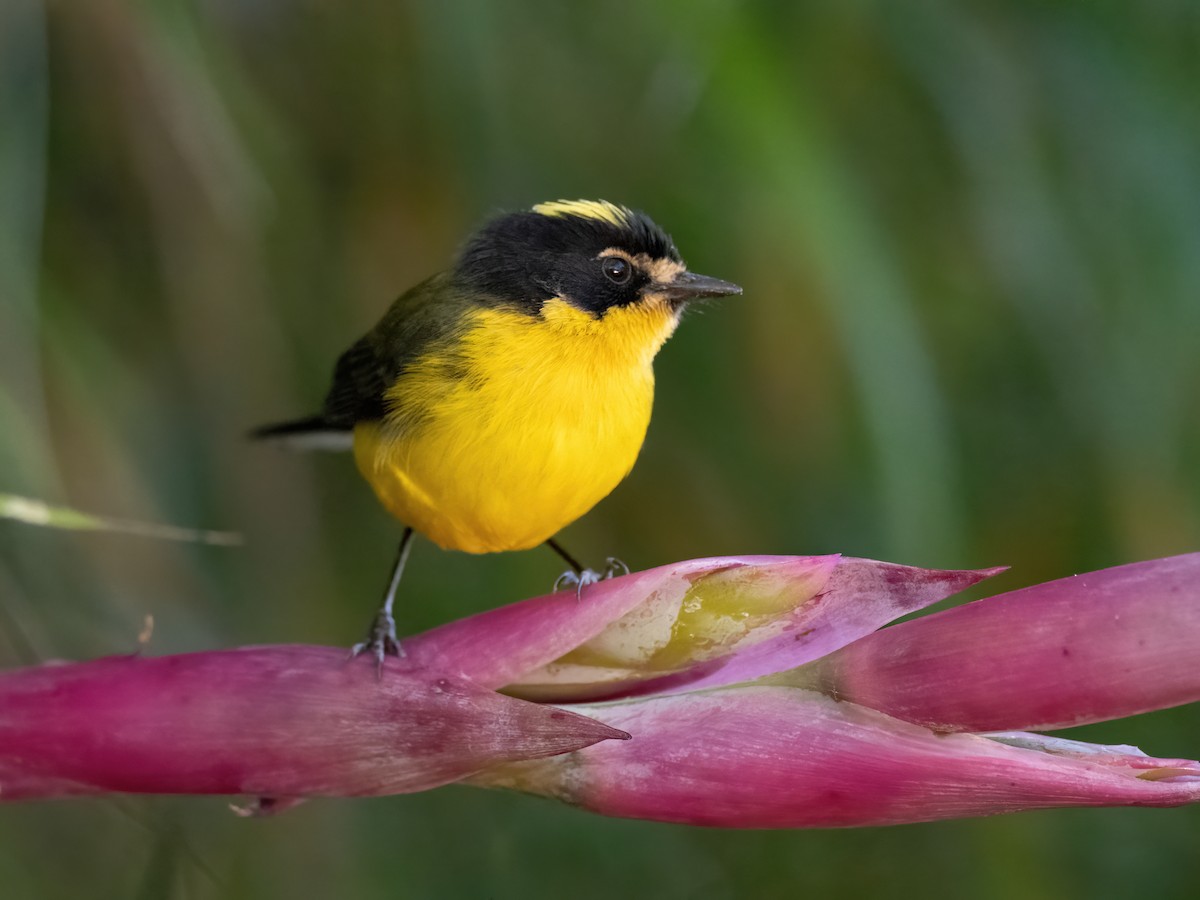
660 270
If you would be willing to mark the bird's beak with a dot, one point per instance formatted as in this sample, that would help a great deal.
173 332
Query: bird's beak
689 286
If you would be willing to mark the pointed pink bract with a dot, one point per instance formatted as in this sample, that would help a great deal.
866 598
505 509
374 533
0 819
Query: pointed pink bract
1084 649
777 757
827 602
288 721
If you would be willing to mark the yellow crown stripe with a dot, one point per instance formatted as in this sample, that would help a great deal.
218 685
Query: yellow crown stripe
585 209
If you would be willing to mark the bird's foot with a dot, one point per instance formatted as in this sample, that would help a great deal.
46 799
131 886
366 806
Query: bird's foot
579 580
614 567
381 641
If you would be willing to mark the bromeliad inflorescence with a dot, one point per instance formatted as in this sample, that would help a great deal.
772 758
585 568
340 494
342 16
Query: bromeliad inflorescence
740 692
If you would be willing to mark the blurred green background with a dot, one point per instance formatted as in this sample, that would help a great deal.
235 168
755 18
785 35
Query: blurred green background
969 236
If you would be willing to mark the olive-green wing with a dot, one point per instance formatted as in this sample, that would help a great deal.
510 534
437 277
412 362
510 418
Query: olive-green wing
427 315
422 317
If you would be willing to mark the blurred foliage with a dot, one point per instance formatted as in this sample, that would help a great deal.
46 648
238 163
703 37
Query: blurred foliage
970 335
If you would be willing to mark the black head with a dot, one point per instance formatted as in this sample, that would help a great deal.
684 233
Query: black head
593 254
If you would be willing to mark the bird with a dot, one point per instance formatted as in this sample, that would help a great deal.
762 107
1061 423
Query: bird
499 400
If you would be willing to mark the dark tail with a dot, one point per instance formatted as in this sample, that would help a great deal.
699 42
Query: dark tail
313 433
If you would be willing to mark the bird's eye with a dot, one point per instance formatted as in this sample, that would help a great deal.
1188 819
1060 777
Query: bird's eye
616 268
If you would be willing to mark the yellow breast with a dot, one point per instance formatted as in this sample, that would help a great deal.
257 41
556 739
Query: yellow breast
519 429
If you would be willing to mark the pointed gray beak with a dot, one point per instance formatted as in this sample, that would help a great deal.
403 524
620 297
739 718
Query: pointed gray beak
689 286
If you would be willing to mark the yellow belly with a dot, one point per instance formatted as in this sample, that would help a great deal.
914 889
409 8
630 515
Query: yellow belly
533 423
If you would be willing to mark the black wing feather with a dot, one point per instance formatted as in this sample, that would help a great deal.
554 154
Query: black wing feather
360 380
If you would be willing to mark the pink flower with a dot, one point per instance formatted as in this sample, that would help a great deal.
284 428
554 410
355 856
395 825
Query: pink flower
758 692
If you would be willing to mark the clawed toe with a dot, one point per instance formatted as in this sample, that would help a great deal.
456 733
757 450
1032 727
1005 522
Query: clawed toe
381 641
577 580
614 567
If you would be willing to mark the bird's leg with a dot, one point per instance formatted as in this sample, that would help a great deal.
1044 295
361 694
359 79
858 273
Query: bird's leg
381 639
577 576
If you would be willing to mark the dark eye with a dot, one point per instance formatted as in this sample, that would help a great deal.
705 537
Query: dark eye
616 268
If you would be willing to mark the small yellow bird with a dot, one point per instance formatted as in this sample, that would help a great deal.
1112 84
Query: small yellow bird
498 401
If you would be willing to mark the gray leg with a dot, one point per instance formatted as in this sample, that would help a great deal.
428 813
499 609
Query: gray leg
381 639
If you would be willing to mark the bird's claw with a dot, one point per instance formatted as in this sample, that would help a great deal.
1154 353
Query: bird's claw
381 641
614 567
579 580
